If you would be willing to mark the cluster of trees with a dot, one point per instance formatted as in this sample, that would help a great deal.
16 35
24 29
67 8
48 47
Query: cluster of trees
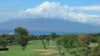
22 37
80 44
76 44
46 39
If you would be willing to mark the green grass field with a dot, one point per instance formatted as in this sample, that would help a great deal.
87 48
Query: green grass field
16 50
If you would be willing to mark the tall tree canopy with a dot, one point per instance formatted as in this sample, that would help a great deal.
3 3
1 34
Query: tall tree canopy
22 36
21 31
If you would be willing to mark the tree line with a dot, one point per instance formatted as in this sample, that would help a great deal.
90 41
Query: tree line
22 37
76 44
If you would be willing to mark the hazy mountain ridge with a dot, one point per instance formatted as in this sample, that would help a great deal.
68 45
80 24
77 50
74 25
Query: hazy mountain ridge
48 24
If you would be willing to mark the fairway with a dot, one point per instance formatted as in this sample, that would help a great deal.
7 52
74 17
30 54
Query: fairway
34 48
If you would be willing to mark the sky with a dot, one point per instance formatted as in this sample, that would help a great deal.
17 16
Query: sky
84 11
17 5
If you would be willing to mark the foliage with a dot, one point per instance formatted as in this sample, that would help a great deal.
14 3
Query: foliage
97 39
73 41
32 37
21 31
22 40
47 40
15 50
77 45
44 42
53 36
3 42
22 36
41 37
95 52
85 39
94 34
68 40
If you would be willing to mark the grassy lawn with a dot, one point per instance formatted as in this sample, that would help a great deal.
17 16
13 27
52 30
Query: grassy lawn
16 50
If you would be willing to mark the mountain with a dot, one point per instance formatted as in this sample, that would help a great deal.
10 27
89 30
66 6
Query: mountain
49 25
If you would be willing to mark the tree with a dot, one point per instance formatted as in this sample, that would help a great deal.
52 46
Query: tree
32 37
67 40
44 42
53 36
85 39
3 42
81 44
47 40
21 31
22 40
22 37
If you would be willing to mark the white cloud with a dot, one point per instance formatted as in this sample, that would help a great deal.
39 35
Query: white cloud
90 8
56 11
45 10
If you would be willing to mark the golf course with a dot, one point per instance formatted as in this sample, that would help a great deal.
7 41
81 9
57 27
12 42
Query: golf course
34 48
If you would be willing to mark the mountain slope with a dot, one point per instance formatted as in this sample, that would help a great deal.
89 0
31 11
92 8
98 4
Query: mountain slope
49 25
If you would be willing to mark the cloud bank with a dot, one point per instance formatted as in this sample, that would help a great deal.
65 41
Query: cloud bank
51 10
90 8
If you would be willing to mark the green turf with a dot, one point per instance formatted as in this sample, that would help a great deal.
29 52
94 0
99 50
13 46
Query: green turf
16 50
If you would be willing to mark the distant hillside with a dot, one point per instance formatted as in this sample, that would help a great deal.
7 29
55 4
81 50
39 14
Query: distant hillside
49 25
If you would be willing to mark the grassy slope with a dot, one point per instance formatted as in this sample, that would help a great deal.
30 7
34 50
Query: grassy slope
15 50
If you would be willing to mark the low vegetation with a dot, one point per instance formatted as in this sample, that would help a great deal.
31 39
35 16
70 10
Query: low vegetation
49 45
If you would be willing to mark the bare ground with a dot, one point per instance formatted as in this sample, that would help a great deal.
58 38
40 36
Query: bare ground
48 51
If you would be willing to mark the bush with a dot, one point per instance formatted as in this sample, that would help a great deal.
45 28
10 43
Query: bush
68 40
3 42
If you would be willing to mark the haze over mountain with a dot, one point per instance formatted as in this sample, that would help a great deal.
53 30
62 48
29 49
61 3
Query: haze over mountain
52 16
49 25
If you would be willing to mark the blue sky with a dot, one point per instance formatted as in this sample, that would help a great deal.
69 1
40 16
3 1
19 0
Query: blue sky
25 4
81 11
17 5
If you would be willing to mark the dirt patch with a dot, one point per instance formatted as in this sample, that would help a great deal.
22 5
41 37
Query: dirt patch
47 51
42 50
31 41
